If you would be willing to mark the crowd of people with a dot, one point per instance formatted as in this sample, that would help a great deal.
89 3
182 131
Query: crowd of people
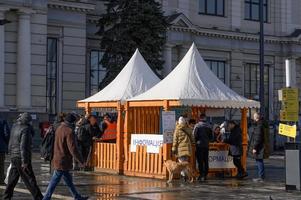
72 143
202 134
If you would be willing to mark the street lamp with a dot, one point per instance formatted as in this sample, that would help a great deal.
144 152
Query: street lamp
261 60
4 21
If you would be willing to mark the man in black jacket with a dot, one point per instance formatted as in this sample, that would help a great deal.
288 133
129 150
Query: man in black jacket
203 135
256 147
20 153
235 141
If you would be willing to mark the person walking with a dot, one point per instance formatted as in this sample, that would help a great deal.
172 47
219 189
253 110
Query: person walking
256 147
182 143
64 149
235 142
202 135
4 138
20 153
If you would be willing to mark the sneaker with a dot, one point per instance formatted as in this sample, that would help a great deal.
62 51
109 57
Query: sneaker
258 180
241 176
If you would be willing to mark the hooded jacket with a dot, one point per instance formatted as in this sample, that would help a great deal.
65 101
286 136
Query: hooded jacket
257 141
202 134
20 142
182 140
235 141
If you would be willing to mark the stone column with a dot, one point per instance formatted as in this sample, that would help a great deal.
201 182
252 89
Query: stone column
24 61
167 55
2 61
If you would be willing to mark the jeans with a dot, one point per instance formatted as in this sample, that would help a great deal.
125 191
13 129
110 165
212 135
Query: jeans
260 168
56 177
202 155
184 159
28 178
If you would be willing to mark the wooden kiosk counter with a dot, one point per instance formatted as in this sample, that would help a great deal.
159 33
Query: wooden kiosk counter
191 84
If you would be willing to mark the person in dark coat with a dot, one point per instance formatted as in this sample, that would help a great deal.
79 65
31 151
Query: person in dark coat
65 150
203 135
4 138
256 147
20 153
235 141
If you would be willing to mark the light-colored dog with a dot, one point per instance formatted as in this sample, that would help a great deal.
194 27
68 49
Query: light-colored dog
176 168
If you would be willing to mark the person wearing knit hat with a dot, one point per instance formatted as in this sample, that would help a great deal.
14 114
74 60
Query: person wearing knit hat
65 149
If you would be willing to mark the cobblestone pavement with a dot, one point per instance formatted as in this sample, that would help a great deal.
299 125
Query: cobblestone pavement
106 186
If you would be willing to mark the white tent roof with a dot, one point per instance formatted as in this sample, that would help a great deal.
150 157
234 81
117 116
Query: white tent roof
135 78
193 83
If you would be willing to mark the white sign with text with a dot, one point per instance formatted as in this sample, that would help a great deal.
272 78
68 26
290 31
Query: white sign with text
153 142
220 160
168 125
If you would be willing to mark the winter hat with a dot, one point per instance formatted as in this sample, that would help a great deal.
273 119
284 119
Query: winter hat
24 118
182 120
70 118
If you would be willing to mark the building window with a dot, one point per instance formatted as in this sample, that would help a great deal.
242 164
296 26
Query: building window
251 83
212 7
218 68
252 10
51 76
97 71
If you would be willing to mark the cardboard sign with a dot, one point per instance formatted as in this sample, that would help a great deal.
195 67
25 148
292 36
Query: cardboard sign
168 125
220 160
153 142
287 130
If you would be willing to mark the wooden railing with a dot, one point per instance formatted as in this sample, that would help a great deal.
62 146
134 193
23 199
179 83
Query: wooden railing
143 164
105 156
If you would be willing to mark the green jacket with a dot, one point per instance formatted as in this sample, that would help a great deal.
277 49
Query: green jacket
182 141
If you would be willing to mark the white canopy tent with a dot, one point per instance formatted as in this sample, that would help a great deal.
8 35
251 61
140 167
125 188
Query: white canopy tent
135 78
192 83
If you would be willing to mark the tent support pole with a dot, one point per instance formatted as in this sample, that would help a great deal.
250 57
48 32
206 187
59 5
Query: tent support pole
126 132
119 141
87 109
244 128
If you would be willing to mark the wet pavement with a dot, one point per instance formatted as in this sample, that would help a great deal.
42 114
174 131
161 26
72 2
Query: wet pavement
106 186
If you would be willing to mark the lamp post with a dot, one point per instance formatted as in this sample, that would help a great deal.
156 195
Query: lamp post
261 60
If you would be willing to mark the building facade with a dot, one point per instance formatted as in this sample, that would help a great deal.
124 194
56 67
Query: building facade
226 33
49 53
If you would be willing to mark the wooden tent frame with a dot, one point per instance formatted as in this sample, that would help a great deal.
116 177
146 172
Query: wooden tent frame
141 117
107 157
149 165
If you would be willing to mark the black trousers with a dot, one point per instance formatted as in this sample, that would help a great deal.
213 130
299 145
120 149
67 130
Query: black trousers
28 178
202 155
237 163
2 175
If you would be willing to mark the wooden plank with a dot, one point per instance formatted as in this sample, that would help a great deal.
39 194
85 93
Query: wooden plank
133 161
101 153
152 163
156 163
147 163
107 159
144 157
130 161
160 164
141 158
137 158
111 156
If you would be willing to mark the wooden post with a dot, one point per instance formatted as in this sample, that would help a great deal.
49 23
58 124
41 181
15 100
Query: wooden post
119 139
87 109
244 128
126 133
